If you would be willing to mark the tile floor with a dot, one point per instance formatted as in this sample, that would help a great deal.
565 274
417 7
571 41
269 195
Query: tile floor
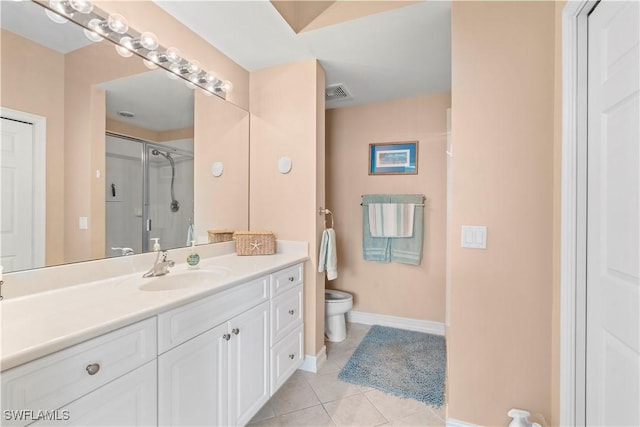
321 399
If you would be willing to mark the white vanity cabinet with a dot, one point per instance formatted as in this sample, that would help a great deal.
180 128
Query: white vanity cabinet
69 387
215 361
221 376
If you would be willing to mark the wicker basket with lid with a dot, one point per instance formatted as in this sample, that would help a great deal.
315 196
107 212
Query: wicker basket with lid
255 242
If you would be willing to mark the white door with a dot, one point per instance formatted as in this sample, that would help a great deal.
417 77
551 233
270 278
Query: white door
192 381
613 256
248 364
16 203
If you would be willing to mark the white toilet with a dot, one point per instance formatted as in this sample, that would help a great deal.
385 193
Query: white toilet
336 305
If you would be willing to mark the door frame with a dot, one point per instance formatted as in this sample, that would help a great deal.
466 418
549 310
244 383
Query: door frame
39 225
573 262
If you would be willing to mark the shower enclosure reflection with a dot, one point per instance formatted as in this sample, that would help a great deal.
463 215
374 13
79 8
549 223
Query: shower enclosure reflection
149 193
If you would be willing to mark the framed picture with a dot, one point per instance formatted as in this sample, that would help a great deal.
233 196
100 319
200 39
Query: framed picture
393 158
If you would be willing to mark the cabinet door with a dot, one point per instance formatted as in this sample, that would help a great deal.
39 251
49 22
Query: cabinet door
192 381
127 401
248 364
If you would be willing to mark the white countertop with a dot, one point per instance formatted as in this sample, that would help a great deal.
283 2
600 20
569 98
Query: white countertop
39 324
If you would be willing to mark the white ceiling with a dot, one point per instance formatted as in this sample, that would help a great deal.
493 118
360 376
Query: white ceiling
399 53
29 20
158 110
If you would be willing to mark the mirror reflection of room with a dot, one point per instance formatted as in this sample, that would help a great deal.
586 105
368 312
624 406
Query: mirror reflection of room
111 164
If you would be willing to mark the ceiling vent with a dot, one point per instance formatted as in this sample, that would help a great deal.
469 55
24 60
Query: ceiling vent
336 92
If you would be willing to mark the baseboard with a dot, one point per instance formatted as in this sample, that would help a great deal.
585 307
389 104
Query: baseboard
435 328
314 363
457 423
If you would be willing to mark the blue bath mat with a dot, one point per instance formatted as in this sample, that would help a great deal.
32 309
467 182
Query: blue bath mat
404 363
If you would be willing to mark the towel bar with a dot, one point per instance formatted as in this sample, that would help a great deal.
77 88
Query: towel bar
366 204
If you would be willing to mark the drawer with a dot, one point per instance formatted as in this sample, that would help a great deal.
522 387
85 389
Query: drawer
286 313
55 380
282 281
286 357
183 323
127 401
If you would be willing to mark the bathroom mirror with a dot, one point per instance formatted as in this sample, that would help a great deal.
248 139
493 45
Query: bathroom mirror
70 90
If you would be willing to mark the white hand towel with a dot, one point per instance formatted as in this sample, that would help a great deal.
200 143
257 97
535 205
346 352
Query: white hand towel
328 258
391 219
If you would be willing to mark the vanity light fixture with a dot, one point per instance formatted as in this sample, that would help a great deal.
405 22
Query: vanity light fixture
99 25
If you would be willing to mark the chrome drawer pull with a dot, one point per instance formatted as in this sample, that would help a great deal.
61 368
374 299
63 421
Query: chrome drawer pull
93 368
292 356
292 312
291 278
235 331
226 337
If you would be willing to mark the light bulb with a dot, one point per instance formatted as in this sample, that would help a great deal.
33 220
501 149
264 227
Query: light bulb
211 87
82 6
193 67
173 55
93 36
152 60
125 47
59 12
55 17
150 64
149 41
117 23
175 71
193 78
227 86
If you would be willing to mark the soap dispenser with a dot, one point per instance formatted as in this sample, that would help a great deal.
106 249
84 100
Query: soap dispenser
193 259
156 244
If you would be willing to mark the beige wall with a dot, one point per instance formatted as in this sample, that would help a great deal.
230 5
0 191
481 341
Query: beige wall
499 339
557 185
26 88
287 104
85 125
416 292
221 135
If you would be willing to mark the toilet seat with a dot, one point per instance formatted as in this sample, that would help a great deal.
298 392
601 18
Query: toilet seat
332 296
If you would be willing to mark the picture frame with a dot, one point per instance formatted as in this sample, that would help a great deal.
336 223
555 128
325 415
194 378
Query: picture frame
393 158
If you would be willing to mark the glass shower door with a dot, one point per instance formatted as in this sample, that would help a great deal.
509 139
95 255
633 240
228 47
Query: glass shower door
168 196
124 195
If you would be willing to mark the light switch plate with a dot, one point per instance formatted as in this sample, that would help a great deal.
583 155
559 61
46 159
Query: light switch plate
83 223
474 236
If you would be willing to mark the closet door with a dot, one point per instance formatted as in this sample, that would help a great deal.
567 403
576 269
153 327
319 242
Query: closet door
613 231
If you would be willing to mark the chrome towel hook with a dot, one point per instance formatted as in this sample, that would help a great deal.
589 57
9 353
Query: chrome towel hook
325 212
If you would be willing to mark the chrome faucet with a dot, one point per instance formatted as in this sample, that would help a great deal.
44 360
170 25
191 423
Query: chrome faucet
160 266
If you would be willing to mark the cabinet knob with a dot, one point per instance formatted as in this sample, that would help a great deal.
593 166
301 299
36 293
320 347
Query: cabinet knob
226 337
292 356
292 312
235 331
291 278
93 368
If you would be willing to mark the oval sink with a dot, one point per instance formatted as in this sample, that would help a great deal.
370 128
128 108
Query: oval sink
184 280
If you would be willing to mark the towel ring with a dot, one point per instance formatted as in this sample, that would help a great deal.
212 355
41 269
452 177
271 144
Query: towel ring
325 212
